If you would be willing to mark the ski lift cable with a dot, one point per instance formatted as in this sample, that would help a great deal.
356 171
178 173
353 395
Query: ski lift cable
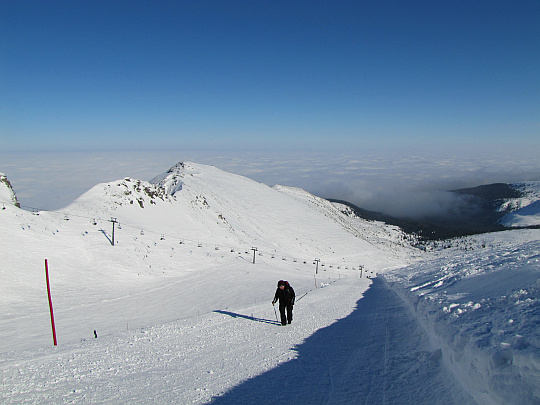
95 220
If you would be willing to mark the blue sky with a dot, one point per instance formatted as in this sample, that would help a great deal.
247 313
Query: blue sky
275 74
449 88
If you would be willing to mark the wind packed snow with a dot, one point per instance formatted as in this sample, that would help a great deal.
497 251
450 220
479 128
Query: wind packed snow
177 312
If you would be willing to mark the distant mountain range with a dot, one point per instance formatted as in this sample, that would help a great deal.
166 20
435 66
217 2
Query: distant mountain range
490 208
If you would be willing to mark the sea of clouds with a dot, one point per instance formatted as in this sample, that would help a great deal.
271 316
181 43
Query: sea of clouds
398 183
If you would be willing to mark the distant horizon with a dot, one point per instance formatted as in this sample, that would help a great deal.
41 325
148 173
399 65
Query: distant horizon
382 104
391 181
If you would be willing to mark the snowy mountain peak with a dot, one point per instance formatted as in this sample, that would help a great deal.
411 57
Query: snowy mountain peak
171 180
207 205
7 194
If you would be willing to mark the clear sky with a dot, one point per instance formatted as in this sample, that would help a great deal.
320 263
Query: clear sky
258 74
415 81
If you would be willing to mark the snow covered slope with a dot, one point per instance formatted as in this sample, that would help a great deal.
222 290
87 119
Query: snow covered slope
191 231
480 303
525 210
183 315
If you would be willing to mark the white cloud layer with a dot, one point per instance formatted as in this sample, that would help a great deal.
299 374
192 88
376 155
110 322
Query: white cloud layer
395 183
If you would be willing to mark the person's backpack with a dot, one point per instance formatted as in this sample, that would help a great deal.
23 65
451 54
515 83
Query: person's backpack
290 291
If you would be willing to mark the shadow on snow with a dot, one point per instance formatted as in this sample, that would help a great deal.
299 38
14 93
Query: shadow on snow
107 236
376 355
251 318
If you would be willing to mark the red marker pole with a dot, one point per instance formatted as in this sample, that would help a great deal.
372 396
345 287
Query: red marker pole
50 301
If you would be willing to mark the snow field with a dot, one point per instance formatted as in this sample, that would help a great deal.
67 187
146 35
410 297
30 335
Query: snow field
146 281
184 316
185 361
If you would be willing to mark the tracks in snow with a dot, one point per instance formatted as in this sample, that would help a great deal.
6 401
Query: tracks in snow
376 355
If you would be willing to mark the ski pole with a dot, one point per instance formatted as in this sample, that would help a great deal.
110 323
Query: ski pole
301 297
277 320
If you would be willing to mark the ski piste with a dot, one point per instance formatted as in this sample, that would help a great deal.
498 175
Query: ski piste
181 311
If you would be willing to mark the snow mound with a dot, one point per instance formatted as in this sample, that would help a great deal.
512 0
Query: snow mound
171 180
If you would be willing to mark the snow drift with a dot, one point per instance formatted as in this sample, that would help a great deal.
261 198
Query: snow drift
480 302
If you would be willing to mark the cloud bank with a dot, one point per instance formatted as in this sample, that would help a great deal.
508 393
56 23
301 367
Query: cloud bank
399 184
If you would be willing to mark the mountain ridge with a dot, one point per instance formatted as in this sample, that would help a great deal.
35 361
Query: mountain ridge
495 207
7 194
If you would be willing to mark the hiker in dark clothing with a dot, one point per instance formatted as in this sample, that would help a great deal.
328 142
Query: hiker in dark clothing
285 295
